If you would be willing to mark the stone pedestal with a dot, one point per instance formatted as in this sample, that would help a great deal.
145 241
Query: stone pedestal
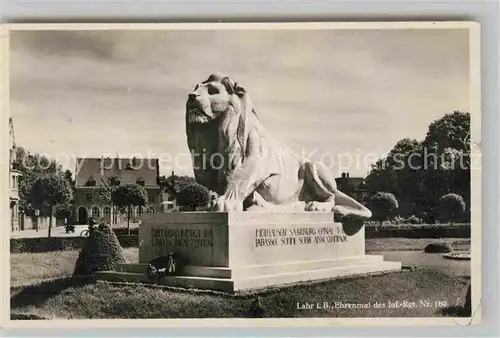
245 250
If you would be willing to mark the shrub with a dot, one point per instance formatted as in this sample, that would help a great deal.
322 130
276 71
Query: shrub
193 196
101 252
438 248
451 206
45 244
414 220
124 231
408 220
383 206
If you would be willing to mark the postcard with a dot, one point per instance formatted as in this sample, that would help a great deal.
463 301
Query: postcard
208 174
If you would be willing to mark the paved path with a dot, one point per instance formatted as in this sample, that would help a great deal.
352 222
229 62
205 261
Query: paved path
60 231
428 260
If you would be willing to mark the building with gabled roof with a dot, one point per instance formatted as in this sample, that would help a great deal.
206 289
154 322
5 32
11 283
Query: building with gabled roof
355 187
91 173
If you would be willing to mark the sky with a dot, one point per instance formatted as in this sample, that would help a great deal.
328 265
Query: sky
344 97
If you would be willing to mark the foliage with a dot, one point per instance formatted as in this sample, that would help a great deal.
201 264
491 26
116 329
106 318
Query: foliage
193 195
101 252
407 220
127 196
106 188
418 173
419 231
451 205
48 191
32 166
45 244
179 182
105 191
63 210
383 206
442 247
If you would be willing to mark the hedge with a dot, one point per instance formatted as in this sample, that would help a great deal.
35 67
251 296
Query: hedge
45 244
419 231
124 232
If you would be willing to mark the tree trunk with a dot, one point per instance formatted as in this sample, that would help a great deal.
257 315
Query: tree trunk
128 219
380 226
50 220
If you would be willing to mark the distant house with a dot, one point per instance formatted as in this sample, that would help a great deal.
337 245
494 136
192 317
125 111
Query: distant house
353 186
14 176
92 172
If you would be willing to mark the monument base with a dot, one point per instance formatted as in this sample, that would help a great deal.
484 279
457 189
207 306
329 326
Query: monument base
255 277
249 250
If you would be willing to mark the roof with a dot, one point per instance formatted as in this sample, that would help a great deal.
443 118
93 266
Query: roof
128 170
357 182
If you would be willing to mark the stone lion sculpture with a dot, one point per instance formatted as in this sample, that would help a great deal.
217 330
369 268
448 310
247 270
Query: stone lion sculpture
235 156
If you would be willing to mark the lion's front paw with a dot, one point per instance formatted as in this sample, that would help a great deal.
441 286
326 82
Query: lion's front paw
223 204
319 206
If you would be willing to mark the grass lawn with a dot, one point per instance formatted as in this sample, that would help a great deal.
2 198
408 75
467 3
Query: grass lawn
31 268
67 299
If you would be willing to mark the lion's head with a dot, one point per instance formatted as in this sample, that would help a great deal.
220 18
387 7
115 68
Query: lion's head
216 96
219 116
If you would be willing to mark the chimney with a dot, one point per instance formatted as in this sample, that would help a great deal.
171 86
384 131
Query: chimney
343 175
347 175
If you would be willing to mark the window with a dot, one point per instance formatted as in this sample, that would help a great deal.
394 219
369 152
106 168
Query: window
107 211
89 197
91 182
96 212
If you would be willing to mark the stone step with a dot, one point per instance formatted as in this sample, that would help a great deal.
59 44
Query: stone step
231 285
312 275
133 267
294 267
259 270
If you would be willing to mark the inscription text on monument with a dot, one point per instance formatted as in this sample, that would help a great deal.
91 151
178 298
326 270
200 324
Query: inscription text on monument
298 236
185 238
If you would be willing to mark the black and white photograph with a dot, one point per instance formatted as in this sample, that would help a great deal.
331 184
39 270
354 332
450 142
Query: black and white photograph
259 171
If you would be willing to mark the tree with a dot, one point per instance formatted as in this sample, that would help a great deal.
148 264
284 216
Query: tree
127 196
105 191
451 205
447 146
32 167
419 173
174 184
49 191
193 195
383 206
63 210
